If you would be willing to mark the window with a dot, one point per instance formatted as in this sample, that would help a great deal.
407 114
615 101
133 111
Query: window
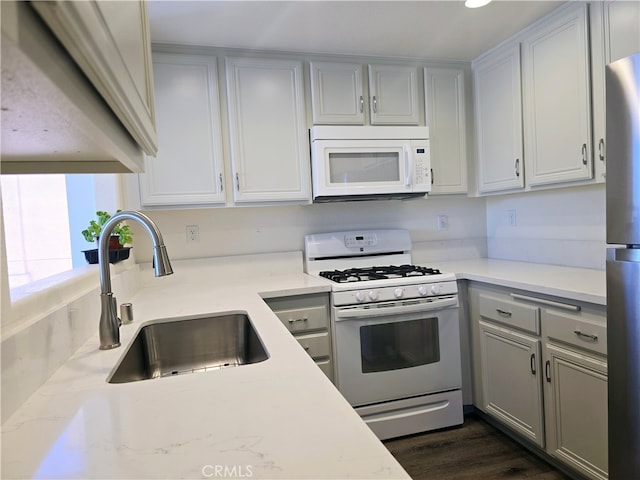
43 216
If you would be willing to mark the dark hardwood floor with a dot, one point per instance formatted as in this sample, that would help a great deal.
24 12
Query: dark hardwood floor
475 451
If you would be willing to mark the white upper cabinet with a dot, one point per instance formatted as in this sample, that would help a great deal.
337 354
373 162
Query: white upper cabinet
622 29
188 167
557 98
445 113
110 43
393 92
338 94
267 128
498 120
615 34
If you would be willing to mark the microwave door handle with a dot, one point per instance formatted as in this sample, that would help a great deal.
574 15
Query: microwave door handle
407 169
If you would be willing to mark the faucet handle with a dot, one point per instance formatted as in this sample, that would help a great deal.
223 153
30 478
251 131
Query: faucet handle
114 308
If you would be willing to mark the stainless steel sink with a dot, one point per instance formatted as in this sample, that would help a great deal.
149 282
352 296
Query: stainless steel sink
195 344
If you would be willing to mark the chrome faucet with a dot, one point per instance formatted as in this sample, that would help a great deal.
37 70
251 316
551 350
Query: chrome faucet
109 322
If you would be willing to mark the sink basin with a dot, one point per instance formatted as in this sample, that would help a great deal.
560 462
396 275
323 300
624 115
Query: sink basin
190 345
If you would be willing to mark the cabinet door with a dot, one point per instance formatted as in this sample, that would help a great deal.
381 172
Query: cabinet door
557 100
110 43
393 92
615 34
336 93
576 410
512 389
267 128
446 119
498 111
622 29
188 167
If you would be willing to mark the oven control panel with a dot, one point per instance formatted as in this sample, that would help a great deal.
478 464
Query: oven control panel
360 240
399 292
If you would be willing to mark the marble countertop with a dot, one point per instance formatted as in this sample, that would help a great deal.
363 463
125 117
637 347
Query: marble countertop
582 284
281 418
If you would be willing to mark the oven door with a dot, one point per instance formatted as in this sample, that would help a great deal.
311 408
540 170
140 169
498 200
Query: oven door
397 350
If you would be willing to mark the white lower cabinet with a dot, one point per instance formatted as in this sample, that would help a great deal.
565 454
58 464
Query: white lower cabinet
576 390
511 380
576 409
540 369
307 317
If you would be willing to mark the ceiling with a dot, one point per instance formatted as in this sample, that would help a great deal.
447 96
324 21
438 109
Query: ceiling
435 30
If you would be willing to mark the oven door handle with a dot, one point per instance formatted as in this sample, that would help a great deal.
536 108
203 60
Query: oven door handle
347 313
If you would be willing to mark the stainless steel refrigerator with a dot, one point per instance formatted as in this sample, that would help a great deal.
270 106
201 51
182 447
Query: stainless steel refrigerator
623 266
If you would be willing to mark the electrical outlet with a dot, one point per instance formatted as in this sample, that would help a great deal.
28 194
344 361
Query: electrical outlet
442 222
511 217
193 234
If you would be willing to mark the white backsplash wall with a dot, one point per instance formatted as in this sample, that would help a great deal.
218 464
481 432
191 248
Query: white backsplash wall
250 230
561 227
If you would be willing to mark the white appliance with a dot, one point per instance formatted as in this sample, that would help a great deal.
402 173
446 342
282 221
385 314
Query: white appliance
369 163
395 331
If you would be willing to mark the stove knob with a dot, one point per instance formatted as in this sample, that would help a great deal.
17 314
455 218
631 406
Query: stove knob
435 289
398 292
422 290
373 295
360 296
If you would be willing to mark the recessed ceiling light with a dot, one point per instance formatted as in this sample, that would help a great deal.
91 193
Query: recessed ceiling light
476 3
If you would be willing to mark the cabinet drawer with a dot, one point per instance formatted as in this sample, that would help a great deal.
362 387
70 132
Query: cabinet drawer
524 317
302 319
576 331
315 344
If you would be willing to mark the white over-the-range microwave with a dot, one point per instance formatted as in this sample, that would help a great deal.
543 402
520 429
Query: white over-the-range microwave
369 162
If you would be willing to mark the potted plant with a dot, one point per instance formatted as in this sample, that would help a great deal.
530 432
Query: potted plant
121 235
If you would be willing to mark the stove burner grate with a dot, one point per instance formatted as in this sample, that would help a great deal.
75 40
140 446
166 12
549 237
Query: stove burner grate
378 273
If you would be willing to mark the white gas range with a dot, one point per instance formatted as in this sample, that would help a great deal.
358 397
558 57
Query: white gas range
395 330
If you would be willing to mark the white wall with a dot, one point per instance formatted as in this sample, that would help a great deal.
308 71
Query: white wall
246 230
562 227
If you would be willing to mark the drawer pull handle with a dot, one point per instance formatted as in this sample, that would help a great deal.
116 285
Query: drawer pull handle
294 320
503 312
593 338
551 303
547 371
533 363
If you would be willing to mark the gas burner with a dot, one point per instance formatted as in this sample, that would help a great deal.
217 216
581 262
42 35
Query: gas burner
378 273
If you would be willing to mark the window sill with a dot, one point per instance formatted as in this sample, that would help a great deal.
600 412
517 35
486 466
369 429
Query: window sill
31 302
